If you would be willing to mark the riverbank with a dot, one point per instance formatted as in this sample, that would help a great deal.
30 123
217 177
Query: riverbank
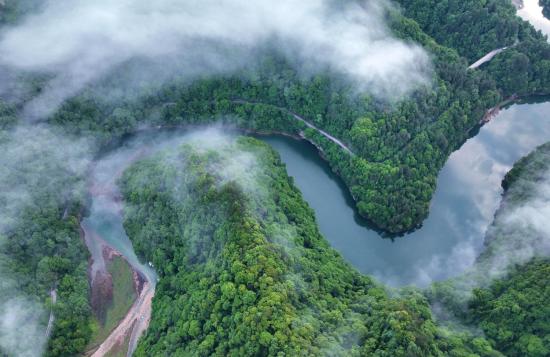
113 292
493 112
122 287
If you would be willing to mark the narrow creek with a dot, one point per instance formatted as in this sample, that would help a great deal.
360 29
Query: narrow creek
103 229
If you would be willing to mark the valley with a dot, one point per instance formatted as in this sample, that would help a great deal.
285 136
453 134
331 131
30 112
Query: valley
264 179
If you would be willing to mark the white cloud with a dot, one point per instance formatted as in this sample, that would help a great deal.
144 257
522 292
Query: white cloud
77 41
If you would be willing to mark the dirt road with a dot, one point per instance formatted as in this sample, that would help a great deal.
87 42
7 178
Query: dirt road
53 295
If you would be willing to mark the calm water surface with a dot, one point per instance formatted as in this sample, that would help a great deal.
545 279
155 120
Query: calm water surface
532 12
467 196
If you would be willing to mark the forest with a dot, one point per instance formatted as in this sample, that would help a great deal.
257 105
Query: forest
399 147
510 305
261 256
545 7
42 250
245 272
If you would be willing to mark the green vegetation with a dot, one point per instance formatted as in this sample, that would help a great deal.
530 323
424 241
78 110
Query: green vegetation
244 270
545 7
513 310
13 10
399 150
472 27
475 27
41 248
44 251
400 147
248 273
123 297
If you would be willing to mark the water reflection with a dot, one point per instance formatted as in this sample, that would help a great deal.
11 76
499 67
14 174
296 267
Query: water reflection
532 12
465 201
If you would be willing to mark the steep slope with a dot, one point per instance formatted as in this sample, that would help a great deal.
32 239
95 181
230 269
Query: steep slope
244 271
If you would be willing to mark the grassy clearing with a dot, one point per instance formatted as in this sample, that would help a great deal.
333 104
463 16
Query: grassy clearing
119 350
123 297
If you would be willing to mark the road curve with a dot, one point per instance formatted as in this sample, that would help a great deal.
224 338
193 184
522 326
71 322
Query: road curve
489 56
303 120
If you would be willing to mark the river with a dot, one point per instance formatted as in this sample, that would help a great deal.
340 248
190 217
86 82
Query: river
532 12
467 196
103 228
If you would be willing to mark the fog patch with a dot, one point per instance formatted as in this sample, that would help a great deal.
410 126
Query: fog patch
77 42
22 331
35 159
519 234
36 163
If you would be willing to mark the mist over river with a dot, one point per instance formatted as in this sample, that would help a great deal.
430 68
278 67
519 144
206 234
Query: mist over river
467 196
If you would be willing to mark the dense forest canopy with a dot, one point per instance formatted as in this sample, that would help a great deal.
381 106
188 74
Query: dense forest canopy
248 274
41 248
400 147
244 271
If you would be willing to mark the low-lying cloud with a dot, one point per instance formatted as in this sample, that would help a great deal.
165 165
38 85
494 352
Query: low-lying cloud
79 41
36 162
521 233
518 234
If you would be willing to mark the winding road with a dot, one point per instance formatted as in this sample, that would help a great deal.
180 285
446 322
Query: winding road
303 120
53 295
489 56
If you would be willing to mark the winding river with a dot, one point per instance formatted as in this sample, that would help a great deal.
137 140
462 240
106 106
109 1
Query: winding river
467 196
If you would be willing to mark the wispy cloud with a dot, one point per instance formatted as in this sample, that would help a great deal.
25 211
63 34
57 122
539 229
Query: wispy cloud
34 163
78 41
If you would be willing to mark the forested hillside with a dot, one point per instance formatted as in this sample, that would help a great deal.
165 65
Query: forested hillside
244 271
474 28
510 300
247 272
41 249
399 147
